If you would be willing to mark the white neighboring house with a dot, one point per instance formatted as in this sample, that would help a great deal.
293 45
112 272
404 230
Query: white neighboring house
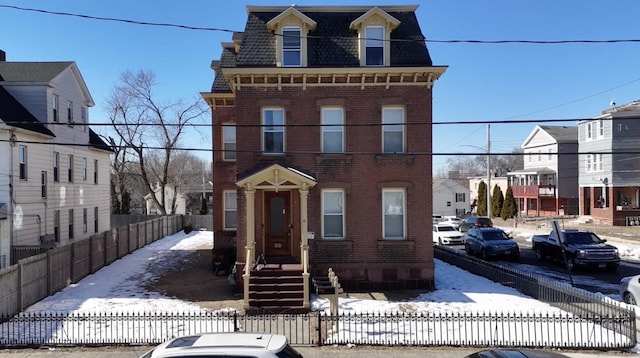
169 193
450 198
501 182
54 170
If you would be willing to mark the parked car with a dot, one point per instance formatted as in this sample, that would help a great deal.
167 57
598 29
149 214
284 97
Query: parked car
259 345
630 289
582 248
475 221
445 234
489 242
514 353
452 220
437 218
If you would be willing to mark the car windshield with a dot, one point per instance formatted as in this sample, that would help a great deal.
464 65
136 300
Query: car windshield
446 228
581 238
495 235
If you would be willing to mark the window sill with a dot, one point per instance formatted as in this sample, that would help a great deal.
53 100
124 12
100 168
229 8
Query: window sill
333 157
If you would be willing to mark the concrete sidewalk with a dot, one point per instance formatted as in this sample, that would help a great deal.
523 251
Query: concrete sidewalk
307 352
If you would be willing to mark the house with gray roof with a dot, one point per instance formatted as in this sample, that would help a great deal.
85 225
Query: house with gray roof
321 121
54 181
548 183
609 166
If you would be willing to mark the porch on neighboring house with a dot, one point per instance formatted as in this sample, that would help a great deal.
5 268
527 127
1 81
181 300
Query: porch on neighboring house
272 237
535 192
619 206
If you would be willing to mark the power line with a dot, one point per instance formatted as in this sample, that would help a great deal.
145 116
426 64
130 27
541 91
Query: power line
205 28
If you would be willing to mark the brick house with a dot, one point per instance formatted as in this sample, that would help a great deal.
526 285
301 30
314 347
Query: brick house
322 141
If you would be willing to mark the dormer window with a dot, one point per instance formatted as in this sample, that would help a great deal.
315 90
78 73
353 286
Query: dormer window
291 28
374 31
291 47
374 43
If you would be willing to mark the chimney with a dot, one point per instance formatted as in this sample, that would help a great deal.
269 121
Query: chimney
3 56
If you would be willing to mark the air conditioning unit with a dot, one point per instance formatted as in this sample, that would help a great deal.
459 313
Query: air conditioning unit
48 240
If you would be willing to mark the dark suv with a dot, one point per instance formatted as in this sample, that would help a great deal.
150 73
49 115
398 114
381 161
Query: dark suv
475 221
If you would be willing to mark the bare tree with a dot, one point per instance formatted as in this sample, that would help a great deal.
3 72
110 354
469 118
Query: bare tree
150 130
461 167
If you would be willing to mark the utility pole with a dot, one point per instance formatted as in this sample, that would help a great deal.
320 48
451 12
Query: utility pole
489 170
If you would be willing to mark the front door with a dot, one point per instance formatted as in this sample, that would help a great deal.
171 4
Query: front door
278 230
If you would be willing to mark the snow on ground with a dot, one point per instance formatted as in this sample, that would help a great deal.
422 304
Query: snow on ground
121 286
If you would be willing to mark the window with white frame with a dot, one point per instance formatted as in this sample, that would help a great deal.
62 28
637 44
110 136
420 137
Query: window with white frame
291 46
461 197
273 131
393 209
55 105
598 165
589 129
332 214
230 210
332 130
22 154
393 130
601 128
84 114
374 45
84 169
588 165
56 167
228 142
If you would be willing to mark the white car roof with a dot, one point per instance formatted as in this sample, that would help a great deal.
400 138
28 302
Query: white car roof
221 343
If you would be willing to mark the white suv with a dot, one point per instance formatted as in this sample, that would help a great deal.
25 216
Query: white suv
258 345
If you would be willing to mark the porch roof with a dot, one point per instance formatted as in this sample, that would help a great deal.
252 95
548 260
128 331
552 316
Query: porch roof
531 171
277 177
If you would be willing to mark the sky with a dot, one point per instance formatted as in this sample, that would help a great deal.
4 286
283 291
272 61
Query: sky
485 83
120 288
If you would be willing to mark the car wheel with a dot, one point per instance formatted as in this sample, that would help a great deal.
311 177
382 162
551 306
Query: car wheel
483 254
628 298
515 257
612 267
571 264
439 241
539 254
467 249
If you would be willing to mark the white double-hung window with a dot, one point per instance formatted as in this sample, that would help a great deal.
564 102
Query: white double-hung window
374 45
228 142
273 130
393 130
332 130
333 214
393 214
230 210
291 46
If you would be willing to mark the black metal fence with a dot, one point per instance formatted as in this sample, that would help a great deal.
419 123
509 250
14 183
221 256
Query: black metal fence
506 329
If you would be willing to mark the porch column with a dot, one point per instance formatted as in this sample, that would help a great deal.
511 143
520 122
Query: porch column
250 248
304 242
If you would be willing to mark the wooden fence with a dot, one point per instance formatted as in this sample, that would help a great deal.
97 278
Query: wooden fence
36 277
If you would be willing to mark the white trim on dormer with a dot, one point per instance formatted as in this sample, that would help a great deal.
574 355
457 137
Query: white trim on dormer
375 17
291 18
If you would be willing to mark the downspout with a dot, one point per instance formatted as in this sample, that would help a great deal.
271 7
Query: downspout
12 144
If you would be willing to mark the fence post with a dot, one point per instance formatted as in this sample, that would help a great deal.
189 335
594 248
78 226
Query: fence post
319 341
